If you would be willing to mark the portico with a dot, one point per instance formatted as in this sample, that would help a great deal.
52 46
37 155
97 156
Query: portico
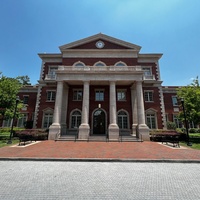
88 76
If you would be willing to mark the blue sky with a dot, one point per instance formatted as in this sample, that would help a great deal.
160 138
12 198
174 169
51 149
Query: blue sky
171 27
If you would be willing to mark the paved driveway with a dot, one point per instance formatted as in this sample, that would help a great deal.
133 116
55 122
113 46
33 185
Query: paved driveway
98 180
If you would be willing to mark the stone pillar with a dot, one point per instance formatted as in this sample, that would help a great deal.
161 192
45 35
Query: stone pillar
84 128
64 109
134 111
113 129
55 128
142 127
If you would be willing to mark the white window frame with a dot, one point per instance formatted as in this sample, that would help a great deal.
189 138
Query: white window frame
48 119
52 71
120 93
79 64
174 101
52 96
77 119
25 101
23 118
151 115
98 93
124 119
147 96
99 64
120 64
78 92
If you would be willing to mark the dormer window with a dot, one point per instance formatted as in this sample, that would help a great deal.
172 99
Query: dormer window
99 64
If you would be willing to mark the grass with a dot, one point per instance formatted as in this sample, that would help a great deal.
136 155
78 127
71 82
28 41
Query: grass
194 139
4 138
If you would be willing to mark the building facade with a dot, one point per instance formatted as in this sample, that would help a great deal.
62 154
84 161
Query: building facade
101 85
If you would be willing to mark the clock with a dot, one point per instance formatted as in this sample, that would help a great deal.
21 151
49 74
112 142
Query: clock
100 44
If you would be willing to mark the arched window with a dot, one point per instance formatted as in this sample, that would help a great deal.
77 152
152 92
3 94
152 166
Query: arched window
120 64
151 118
47 117
99 64
75 119
122 120
79 64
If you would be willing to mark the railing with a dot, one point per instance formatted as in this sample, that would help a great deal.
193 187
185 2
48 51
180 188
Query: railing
149 77
50 77
99 68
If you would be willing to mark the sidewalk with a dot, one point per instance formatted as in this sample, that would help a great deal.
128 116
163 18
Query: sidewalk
102 151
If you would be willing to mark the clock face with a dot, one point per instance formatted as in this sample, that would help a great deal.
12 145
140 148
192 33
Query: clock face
100 44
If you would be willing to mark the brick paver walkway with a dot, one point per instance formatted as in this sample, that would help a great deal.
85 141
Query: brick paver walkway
100 150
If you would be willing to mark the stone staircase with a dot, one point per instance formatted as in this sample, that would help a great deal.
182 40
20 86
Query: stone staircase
100 138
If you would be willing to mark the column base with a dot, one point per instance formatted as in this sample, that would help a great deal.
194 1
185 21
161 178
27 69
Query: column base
144 131
84 131
54 131
134 130
113 132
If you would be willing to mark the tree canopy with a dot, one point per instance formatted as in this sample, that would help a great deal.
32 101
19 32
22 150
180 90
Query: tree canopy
191 96
9 88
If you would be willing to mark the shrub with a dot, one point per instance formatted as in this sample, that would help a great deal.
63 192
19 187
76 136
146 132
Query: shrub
192 130
171 125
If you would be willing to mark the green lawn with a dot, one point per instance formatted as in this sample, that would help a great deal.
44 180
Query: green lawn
194 139
4 138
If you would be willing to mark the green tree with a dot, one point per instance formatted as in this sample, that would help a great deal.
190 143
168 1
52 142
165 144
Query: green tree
191 95
9 88
24 80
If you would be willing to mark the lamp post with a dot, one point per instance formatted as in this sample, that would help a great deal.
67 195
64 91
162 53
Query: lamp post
186 123
11 130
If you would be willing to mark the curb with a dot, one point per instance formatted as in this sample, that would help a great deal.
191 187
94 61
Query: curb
99 160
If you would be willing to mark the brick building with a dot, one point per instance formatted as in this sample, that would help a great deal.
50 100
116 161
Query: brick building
100 85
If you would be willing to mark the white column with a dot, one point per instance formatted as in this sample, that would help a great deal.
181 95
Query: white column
84 128
142 127
134 110
64 109
113 129
55 128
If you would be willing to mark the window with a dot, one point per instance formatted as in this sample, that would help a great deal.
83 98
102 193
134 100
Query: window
99 95
174 101
148 96
177 121
48 119
99 64
22 120
77 95
147 71
122 120
79 64
120 64
25 99
121 95
75 119
51 95
52 72
7 122
151 120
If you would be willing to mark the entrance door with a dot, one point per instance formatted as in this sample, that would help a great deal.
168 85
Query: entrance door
99 122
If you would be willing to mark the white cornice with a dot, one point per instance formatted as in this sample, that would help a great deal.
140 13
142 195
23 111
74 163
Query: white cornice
100 36
50 57
150 57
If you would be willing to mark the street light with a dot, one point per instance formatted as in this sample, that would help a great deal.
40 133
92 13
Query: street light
186 123
11 130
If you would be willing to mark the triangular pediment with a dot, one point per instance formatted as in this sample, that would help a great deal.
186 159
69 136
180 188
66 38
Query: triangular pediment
108 43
